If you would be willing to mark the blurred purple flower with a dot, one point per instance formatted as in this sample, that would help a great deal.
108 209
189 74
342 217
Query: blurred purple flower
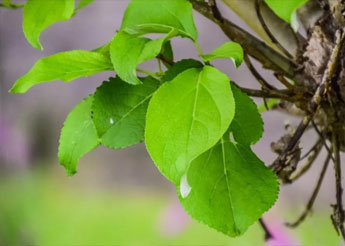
280 236
173 220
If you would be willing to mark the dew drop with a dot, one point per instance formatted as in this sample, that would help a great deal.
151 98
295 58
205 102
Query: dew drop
185 188
111 121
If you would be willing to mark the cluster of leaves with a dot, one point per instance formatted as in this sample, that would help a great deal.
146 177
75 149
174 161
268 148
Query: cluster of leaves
198 127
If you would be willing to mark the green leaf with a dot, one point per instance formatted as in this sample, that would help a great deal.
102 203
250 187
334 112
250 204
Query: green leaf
119 111
84 3
160 16
65 66
128 51
40 14
179 67
186 117
228 188
78 136
247 126
228 50
285 9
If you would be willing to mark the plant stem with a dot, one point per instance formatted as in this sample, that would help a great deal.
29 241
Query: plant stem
153 75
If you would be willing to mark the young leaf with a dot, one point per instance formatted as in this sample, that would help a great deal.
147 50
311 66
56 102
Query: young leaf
228 50
128 51
40 14
160 16
186 117
179 67
66 66
228 188
78 136
285 9
119 111
247 126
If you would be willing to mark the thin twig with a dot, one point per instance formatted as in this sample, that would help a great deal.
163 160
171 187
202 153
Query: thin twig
286 83
268 234
312 149
266 55
311 159
280 94
338 216
267 30
256 74
323 138
312 199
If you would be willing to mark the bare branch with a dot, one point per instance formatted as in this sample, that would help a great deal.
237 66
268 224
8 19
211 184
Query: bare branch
313 196
281 30
315 151
338 216
280 94
267 56
256 74
267 30
314 104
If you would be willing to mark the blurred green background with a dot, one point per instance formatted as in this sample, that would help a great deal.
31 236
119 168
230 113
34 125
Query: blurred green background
43 208
117 197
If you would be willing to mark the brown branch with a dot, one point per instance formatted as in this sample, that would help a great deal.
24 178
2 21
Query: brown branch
323 138
267 56
313 196
267 30
280 94
256 74
338 216
286 83
311 159
215 10
312 149
314 104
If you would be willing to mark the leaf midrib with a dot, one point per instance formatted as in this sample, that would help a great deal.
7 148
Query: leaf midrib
228 185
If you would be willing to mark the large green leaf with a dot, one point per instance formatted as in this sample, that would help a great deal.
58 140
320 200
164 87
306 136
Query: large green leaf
128 51
119 111
186 117
228 188
228 50
65 66
285 9
78 136
247 126
160 16
40 14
